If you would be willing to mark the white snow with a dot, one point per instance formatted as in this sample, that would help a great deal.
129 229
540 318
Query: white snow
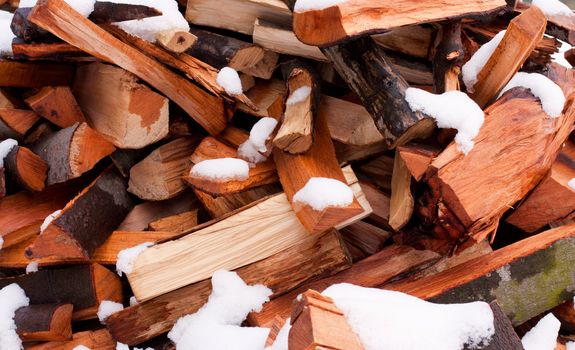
471 68
1 242
452 109
81 347
222 169
261 132
570 345
106 308
121 346
229 79
6 34
249 152
32 267
133 300
127 257
147 28
552 7
550 94
216 326
559 57
84 7
322 192
299 95
48 220
544 335
388 320
12 297
281 341
571 184
309 5
5 148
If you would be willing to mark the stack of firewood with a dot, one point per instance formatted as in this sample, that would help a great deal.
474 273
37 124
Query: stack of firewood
398 145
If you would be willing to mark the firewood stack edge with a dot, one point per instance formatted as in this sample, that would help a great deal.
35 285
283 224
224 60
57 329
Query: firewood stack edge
282 174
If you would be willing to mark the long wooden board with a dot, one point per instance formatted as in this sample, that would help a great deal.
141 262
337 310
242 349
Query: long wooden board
241 239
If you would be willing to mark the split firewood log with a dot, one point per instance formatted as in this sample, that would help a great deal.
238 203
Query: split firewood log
95 340
58 105
35 74
15 123
44 322
25 169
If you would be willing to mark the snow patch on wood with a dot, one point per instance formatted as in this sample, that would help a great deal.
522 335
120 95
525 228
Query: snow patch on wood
48 220
5 148
552 7
12 297
322 192
222 169
6 35
309 5
108 308
544 335
471 68
299 95
127 257
229 79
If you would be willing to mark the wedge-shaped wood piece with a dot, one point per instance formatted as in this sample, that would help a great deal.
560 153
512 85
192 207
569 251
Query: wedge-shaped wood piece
25 169
380 88
281 272
522 36
317 323
71 152
127 113
239 15
553 199
319 161
94 340
371 272
14 123
178 223
511 275
106 254
521 142
86 221
24 212
159 175
402 202
35 74
58 105
195 257
417 158
44 322
61 20
84 286
210 148
295 134
358 17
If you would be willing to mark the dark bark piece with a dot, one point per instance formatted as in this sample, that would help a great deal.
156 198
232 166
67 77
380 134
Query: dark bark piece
108 12
125 159
381 89
84 286
87 221
44 322
71 152
27 31
448 57
505 337
58 105
26 169
570 56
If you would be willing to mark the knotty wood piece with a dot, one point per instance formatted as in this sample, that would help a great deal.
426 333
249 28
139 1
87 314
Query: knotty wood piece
552 200
24 212
84 286
95 340
25 169
523 34
402 202
281 39
86 221
44 322
358 17
295 134
35 74
371 272
58 105
218 207
159 175
512 275
417 158
521 142
447 58
317 323
178 223
176 41
127 113
192 258
319 161
210 148
71 152
106 254
380 88
15 123
59 18
239 15
281 272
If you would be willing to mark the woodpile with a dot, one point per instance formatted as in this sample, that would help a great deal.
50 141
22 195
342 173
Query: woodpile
282 174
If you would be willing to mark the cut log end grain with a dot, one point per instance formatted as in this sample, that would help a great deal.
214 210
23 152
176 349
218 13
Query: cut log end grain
176 41
26 169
